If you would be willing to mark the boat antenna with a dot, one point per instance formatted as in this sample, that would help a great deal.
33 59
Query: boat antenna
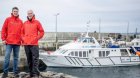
87 29
127 34
99 36
136 31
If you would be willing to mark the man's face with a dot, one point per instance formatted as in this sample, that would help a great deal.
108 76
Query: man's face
30 14
15 12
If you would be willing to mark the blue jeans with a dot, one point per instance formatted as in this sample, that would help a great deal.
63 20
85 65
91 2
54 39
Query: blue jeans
9 49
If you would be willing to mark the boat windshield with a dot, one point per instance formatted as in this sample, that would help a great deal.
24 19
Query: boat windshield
86 40
124 52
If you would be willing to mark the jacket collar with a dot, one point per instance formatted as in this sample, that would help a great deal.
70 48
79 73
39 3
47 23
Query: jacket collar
31 20
15 17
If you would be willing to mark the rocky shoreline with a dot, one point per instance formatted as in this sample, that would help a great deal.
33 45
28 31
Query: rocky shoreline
48 74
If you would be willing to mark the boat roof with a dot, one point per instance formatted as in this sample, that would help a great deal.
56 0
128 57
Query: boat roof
82 43
135 40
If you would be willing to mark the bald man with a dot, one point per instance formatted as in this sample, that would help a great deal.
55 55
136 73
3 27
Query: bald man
32 31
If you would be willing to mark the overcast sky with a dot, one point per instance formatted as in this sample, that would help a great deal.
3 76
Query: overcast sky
74 14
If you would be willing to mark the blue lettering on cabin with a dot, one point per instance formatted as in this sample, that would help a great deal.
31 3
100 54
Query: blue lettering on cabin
89 46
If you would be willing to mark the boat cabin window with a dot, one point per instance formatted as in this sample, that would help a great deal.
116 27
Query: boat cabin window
104 53
107 53
63 51
100 54
89 51
79 53
86 40
84 53
137 44
124 52
76 53
133 44
72 53
89 40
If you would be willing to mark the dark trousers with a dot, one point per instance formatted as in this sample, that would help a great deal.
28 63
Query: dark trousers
32 53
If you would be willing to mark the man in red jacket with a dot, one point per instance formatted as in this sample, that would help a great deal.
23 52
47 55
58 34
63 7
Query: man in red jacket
32 31
11 37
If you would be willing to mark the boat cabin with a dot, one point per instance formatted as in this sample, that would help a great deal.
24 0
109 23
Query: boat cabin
97 52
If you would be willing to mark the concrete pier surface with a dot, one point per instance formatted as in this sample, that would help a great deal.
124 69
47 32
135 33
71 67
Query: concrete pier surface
47 74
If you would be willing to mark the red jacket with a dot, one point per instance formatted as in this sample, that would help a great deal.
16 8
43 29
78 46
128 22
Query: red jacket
32 31
11 30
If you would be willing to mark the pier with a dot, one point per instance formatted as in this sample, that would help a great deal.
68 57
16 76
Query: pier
47 74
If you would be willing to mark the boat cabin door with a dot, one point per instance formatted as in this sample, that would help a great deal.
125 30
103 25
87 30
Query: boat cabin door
91 53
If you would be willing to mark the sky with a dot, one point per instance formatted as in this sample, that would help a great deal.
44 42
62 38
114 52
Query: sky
74 14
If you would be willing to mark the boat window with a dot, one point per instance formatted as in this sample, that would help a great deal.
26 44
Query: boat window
137 43
76 53
100 54
72 53
80 53
107 53
88 40
84 54
59 50
133 44
85 41
131 51
124 52
64 51
89 51
103 53
91 40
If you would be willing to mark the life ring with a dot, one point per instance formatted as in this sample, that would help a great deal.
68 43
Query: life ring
138 53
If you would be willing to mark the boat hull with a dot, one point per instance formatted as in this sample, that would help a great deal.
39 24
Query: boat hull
67 61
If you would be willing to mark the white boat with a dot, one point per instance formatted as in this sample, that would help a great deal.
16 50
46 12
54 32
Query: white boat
136 43
86 52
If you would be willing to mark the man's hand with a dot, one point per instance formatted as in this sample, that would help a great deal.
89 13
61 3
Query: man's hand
35 40
3 42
